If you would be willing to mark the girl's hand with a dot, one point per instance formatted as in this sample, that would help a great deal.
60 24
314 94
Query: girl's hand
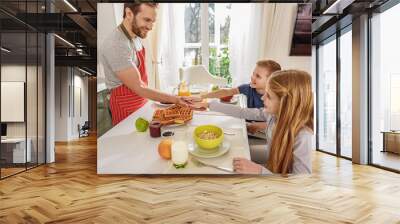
199 105
245 166
252 128
256 126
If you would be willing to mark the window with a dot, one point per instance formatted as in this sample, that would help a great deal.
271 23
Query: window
385 86
207 37
346 94
22 65
327 96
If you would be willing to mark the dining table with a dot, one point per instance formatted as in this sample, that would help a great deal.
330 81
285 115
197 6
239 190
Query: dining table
124 150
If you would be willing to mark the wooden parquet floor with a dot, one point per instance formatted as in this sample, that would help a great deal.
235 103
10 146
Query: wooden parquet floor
70 191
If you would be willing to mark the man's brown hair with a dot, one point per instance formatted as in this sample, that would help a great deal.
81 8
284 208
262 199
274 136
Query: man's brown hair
135 7
271 65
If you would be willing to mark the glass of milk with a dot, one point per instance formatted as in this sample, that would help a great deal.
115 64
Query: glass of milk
179 154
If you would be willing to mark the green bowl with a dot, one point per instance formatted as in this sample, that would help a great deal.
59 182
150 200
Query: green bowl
208 143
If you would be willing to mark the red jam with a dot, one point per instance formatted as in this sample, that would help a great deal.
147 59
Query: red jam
155 129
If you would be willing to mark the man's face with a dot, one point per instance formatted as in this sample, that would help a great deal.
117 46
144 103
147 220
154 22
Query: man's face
143 21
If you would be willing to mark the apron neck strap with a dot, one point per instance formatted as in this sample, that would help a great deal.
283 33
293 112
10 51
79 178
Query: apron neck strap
125 31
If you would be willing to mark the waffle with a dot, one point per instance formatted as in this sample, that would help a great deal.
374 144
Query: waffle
173 115
158 115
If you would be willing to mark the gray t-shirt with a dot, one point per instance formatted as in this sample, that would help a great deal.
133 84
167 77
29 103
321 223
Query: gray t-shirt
118 52
303 141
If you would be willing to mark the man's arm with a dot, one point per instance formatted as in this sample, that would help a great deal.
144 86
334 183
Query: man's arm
131 78
221 93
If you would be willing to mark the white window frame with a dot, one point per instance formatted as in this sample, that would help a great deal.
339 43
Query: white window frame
205 43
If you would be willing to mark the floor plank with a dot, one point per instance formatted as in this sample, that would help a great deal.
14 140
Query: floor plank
70 191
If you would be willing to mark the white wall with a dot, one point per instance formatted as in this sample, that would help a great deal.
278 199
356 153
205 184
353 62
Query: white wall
34 125
62 81
68 80
14 73
77 118
17 73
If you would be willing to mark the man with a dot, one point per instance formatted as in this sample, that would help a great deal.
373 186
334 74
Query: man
123 57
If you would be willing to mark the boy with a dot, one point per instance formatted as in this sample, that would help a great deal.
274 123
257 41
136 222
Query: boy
253 90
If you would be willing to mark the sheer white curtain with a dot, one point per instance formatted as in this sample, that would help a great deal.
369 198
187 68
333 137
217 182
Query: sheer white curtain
280 27
244 40
153 53
109 16
259 30
277 28
170 44
118 12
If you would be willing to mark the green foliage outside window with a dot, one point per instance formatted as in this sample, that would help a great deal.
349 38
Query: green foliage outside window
223 69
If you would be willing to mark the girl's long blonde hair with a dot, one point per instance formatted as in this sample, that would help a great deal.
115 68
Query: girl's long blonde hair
296 111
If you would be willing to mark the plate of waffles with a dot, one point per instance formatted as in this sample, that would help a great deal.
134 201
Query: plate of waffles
173 115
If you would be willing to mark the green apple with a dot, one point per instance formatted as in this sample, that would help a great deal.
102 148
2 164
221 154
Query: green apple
141 124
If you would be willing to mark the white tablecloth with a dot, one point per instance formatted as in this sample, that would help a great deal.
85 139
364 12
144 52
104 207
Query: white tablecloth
123 150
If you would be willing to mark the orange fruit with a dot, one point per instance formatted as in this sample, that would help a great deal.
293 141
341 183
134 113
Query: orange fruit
164 149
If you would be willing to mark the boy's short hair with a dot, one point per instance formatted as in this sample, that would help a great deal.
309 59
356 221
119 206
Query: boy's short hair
271 65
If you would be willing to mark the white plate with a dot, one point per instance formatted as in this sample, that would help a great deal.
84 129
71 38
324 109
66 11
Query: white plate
195 90
195 150
163 104
173 125
234 100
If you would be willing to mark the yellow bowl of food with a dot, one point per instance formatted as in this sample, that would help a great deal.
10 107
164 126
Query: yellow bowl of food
208 136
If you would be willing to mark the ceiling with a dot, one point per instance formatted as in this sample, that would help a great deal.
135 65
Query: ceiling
77 25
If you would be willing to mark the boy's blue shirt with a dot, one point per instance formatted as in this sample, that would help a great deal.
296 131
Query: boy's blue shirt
253 97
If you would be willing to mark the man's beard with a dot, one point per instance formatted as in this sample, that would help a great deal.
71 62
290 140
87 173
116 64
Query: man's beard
137 31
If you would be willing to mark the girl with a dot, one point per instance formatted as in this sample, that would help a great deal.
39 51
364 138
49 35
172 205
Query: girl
288 111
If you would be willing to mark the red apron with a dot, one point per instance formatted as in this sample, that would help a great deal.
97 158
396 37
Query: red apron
124 101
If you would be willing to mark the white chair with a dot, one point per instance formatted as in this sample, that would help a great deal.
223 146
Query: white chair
198 74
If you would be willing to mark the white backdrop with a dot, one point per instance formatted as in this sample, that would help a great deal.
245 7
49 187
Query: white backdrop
262 31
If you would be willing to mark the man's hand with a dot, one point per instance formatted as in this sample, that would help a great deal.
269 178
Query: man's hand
192 99
245 166
181 101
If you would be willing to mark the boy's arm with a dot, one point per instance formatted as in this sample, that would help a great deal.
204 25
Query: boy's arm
221 93
255 114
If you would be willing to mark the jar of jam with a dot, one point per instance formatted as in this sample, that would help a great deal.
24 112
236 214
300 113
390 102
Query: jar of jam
155 129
